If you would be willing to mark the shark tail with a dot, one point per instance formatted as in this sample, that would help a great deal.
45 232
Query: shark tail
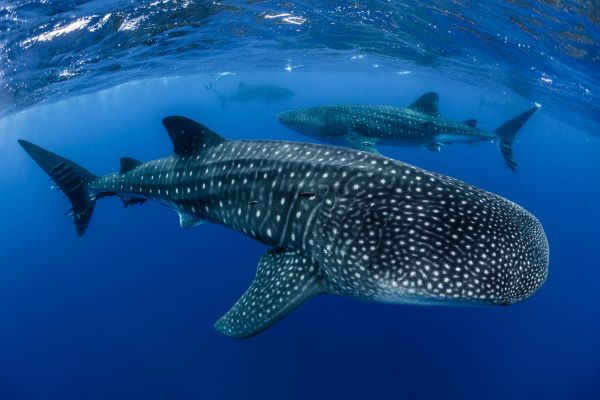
507 133
71 178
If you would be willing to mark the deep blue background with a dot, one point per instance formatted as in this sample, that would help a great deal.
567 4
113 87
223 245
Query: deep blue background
127 311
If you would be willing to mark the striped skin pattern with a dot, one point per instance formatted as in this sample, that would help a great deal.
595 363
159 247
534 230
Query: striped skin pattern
344 222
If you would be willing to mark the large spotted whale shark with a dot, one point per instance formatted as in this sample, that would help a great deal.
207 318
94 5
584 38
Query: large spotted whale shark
419 124
338 221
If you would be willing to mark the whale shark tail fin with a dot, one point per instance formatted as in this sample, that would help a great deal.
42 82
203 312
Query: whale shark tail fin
71 178
507 133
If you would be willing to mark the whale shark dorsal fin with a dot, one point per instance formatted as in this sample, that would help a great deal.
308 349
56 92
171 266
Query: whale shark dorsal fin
188 136
128 164
283 281
428 104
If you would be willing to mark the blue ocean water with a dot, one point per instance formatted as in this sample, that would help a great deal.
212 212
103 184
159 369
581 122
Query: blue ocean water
128 310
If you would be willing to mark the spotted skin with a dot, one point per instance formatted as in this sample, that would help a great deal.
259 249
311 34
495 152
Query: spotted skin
365 126
390 125
346 222
283 281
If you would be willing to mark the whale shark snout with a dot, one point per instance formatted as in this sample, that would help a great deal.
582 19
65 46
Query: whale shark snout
527 253
287 118
311 122
316 124
296 119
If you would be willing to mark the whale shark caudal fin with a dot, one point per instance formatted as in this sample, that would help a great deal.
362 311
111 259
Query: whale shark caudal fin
190 137
74 180
283 281
71 178
427 104
507 133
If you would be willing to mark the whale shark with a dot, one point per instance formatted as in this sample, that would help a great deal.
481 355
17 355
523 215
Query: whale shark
255 93
337 221
419 124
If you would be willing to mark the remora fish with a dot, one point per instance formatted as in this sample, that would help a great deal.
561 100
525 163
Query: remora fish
256 93
337 220
419 124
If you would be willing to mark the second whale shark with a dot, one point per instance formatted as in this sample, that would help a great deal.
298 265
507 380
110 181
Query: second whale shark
337 221
419 124
256 94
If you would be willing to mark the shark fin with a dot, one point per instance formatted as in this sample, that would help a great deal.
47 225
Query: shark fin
128 164
361 142
188 220
471 122
507 133
428 104
188 136
434 146
283 281
71 178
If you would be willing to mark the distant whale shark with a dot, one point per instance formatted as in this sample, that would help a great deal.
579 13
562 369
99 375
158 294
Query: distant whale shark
337 220
419 124
256 93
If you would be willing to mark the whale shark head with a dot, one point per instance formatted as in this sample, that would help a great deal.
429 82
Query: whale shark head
432 243
313 122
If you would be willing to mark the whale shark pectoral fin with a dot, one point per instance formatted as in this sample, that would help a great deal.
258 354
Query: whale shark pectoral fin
188 220
434 146
283 281
361 142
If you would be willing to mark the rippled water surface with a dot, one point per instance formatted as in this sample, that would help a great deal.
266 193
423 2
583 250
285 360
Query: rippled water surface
545 51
